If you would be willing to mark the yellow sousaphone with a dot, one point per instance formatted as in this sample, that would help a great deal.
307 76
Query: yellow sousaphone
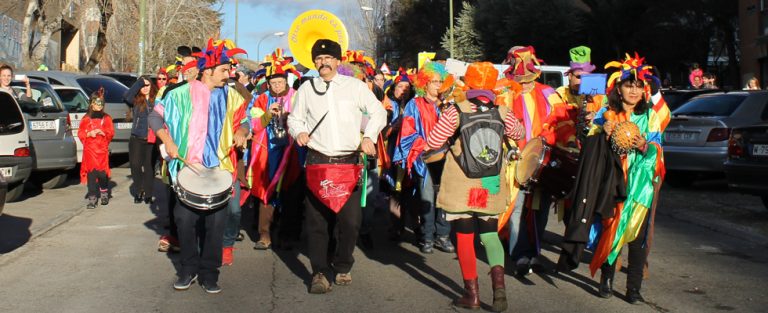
310 26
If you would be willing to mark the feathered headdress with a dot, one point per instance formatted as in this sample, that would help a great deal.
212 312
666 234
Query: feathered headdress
98 96
277 64
216 53
632 67
358 56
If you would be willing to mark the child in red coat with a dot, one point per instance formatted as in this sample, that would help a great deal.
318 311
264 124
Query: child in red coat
96 131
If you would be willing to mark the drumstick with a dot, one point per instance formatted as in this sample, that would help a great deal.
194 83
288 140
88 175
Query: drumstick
194 170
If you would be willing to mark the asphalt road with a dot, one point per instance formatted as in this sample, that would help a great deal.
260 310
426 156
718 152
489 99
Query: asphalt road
105 260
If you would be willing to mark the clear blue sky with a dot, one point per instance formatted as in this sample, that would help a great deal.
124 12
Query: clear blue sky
260 18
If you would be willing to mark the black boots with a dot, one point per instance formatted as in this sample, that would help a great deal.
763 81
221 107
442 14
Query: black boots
499 289
633 296
471 297
606 283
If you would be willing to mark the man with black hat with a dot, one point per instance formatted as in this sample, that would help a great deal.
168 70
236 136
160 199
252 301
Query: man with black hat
326 111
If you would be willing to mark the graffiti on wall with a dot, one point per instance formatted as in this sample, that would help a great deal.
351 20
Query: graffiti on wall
10 44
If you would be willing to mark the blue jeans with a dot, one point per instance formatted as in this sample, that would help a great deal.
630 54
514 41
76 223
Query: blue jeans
433 221
514 220
532 222
233 221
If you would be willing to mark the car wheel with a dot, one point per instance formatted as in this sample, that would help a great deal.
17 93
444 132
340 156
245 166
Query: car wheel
51 180
14 192
680 179
765 201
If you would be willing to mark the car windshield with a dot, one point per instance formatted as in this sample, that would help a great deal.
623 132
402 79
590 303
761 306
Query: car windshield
74 100
719 105
43 99
113 90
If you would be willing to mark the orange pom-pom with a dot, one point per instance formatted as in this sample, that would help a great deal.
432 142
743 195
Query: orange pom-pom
609 115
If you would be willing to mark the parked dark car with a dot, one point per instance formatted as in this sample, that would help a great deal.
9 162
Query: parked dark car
677 97
54 151
113 97
747 165
126 79
696 140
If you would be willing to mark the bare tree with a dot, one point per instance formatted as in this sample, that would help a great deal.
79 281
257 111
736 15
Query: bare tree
43 16
106 10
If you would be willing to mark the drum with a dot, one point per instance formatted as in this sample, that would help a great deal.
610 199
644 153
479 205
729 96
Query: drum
531 162
207 191
559 175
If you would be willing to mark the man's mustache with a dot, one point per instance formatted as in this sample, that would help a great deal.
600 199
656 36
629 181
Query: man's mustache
324 65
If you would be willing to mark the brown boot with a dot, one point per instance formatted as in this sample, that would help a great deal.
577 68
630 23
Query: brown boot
499 289
471 297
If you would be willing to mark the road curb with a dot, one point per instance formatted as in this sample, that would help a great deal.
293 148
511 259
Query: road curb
720 226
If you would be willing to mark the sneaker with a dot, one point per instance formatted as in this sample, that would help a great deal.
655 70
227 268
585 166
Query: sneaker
104 198
426 247
91 202
320 284
210 287
523 267
184 282
262 245
164 244
444 244
240 236
227 256
343 279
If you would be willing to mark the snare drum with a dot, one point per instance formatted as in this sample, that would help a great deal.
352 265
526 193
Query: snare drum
207 191
531 162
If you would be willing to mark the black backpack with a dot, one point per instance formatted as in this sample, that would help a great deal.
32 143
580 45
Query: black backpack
482 135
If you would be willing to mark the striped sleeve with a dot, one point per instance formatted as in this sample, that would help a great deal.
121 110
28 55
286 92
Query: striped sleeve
513 129
444 129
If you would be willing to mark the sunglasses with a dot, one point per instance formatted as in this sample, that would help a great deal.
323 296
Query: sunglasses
147 85
162 78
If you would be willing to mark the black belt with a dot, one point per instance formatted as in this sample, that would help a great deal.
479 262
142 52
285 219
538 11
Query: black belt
314 157
142 138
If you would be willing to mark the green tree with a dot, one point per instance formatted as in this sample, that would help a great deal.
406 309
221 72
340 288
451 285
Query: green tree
467 44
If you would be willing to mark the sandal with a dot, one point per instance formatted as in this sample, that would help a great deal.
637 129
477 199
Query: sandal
262 245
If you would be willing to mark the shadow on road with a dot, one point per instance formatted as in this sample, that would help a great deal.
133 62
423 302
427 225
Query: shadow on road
14 232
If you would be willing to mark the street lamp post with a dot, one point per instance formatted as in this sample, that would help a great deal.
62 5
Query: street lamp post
258 46
372 28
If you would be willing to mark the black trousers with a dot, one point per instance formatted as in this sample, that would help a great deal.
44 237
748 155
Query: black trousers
345 225
172 200
142 168
291 212
98 182
201 239
637 255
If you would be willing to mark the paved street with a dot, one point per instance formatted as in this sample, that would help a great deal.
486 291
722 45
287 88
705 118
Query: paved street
105 260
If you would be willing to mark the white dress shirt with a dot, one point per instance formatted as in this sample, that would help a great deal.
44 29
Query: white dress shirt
346 100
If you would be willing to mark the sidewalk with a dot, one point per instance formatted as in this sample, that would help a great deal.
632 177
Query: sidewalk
39 211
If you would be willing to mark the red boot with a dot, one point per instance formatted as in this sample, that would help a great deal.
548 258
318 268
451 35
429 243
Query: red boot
471 297
227 257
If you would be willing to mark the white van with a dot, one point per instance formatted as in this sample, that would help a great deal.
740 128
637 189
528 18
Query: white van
15 156
552 75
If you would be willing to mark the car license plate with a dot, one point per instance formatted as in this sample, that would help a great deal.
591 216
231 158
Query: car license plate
6 171
681 136
761 150
43 125
75 124
124 125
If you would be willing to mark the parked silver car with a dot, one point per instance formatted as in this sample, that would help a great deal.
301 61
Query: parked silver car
76 102
696 140
113 96
15 159
54 150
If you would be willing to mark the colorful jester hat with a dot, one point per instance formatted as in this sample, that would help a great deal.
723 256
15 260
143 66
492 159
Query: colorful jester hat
358 57
632 67
217 53
278 64
581 60
523 64
428 72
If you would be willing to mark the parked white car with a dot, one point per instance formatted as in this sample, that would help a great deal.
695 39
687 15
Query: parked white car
76 102
15 156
